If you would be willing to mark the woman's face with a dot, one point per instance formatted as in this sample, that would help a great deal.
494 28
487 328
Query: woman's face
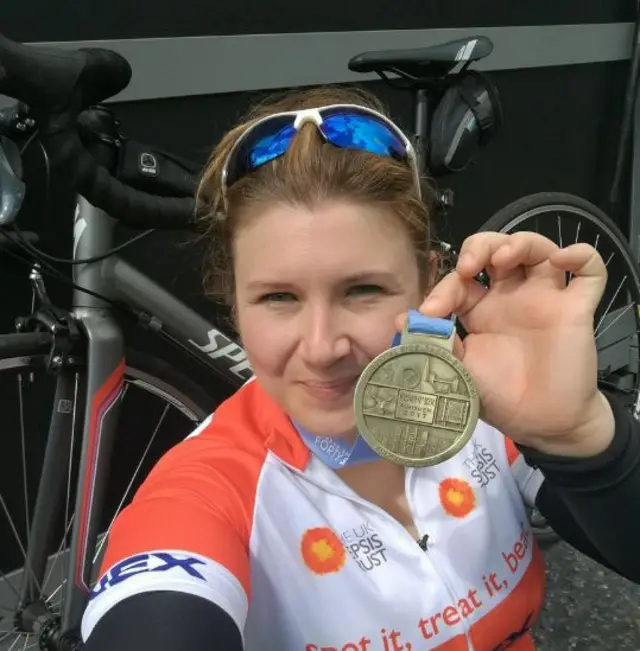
318 291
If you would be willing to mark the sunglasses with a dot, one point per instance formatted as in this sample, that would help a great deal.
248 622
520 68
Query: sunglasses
347 126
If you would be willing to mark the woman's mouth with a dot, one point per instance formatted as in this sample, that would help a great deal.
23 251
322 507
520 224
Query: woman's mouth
329 390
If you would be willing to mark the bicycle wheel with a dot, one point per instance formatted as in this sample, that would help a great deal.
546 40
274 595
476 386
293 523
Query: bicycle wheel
567 219
159 403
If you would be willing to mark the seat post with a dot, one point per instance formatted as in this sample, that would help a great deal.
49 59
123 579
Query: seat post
421 125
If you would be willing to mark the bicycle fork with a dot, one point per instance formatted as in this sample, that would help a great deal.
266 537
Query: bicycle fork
105 378
103 385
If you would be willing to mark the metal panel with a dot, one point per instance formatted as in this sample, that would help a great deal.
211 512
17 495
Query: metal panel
178 67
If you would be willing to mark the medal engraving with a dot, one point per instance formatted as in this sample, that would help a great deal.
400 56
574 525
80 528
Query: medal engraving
416 405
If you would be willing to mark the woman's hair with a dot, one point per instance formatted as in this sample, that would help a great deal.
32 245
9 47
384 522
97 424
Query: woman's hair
311 171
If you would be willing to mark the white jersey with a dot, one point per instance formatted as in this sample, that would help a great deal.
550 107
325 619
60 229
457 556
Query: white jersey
243 515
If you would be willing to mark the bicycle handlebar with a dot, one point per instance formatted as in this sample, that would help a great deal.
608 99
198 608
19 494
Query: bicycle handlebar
57 85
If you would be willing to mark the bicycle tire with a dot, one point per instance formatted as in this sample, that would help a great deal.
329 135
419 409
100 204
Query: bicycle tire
514 214
151 375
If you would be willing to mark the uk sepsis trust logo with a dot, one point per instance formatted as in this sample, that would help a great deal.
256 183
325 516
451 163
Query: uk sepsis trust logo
457 497
324 552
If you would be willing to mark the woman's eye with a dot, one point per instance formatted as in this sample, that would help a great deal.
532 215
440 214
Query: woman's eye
277 297
365 290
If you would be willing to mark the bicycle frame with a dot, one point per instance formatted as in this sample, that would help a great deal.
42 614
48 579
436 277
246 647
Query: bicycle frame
115 279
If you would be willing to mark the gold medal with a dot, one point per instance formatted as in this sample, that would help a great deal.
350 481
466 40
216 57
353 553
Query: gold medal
416 404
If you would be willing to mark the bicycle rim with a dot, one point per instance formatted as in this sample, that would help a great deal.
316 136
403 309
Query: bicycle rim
169 414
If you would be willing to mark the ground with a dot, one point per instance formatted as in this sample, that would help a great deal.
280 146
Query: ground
588 608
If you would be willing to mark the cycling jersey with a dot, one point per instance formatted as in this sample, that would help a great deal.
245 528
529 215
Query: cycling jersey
241 514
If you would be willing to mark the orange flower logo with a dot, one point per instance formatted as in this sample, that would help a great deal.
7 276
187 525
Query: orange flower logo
322 551
457 497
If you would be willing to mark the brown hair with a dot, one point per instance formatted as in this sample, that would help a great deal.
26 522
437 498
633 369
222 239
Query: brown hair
309 172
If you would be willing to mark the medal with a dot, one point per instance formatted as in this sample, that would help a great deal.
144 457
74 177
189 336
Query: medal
416 404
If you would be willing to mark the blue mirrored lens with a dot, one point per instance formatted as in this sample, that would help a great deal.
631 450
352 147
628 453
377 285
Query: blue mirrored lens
364 132
267 147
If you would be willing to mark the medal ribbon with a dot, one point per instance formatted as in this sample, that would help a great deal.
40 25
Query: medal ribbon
339 452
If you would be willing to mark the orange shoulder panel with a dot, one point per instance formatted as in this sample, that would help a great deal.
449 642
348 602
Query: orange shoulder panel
200 497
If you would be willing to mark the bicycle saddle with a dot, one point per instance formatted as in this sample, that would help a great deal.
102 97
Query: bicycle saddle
12 188
424 61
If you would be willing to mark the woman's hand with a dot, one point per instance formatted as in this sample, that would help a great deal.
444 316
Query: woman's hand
531 346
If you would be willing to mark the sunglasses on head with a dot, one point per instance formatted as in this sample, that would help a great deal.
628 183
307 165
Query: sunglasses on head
348 126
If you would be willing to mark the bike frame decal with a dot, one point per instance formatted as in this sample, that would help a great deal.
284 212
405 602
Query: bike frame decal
231 352
103 400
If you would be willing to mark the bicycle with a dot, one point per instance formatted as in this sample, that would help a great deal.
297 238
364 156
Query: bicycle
82 348
80 352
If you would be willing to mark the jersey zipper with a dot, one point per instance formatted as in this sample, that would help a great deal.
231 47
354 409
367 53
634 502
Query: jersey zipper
423 542
423 539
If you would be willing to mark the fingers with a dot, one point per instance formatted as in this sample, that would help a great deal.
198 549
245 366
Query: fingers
516 255
520 256
588 269
477 251
453 294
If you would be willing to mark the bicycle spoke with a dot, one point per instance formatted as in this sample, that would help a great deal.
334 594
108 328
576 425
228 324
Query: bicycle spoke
5 578
15 533
622 313
13 646
135 474
606 264
55 592
23 446
59 553
595 244
7 634
609 306
559 230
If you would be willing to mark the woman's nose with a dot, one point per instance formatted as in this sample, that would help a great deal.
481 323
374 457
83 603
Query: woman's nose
323 339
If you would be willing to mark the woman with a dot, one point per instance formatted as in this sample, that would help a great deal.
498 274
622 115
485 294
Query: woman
274 526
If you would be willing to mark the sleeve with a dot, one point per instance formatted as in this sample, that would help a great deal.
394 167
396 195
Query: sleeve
165 621
529 479
185 533
592 502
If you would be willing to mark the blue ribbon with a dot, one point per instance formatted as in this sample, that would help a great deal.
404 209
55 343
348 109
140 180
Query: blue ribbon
339 452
